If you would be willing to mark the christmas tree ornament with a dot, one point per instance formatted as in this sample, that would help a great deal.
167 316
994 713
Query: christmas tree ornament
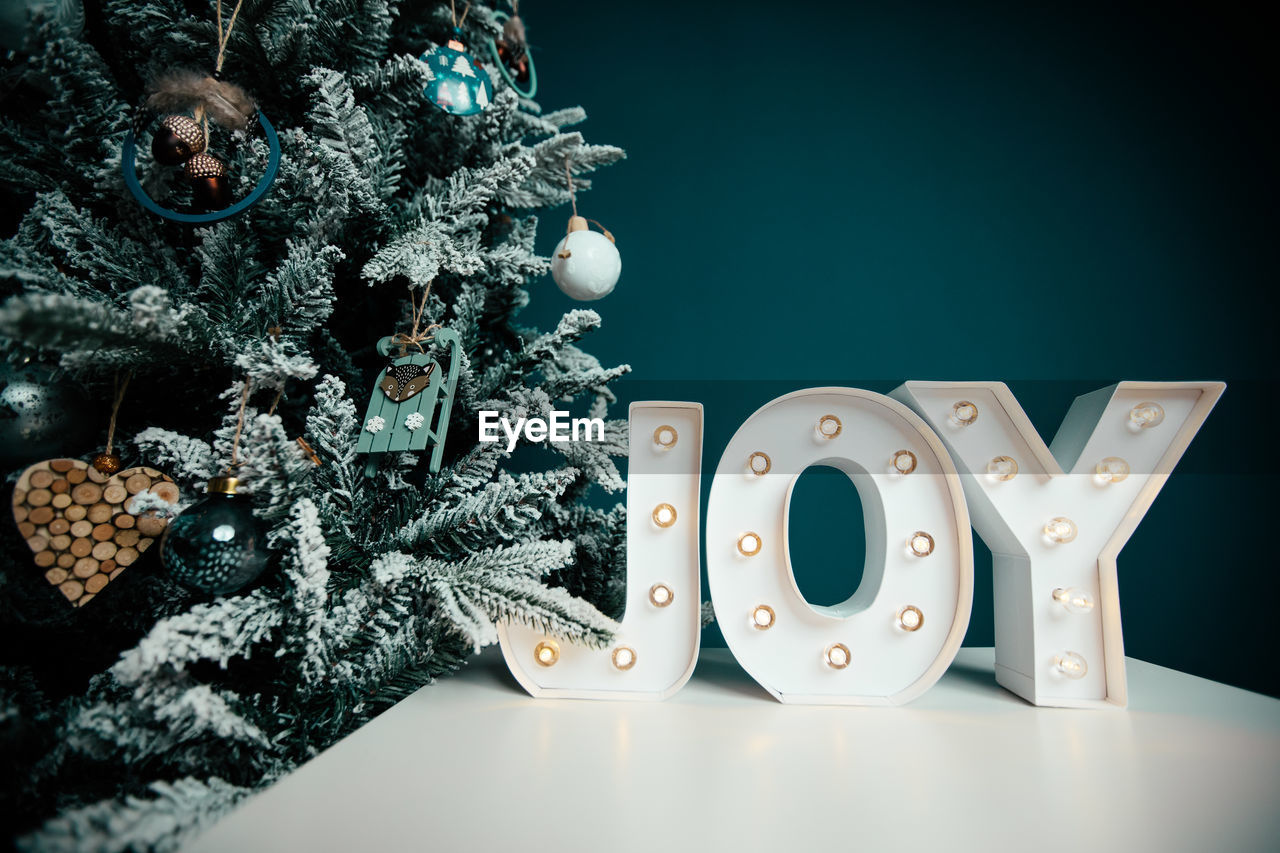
216 546
511 53
39 415
455 83
210 187
208 98
178 140
79 522
585 264
411 403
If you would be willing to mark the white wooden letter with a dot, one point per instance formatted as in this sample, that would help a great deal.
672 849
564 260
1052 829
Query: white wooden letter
903 626
1054 536
656 649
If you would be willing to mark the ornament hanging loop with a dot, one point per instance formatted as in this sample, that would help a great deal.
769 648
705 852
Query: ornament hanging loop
576 222
453 10
414 338
120 388
107 462
235 443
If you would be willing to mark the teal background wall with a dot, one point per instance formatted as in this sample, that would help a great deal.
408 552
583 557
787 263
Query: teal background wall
860 194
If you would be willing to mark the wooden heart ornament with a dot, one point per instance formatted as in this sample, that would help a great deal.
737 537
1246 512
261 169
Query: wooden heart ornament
76 521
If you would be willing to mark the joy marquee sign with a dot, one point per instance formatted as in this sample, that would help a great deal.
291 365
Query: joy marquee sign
928 461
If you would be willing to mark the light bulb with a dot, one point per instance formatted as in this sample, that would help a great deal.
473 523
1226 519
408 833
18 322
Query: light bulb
763 617
1070 664
759 463
546 653
624 657
664 515
910 618
1113 469
1074 600
1003 468
837 656
964 413
1146 416
904 462
660 595
665 437
921 543
1060 530
829 426
749 544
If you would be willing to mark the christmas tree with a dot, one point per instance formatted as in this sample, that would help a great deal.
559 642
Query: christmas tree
245 348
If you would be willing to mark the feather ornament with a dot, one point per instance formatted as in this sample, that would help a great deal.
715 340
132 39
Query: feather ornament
182 90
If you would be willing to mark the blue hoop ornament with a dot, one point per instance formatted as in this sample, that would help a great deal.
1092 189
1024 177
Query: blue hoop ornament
502 17
128 164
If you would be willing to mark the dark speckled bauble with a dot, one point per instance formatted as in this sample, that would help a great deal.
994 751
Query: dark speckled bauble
216 546
178 140
210 186
41 415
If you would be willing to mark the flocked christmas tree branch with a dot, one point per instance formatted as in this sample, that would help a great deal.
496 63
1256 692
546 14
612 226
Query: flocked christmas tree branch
379 584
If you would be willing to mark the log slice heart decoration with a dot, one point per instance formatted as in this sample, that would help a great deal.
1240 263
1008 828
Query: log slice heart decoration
77 523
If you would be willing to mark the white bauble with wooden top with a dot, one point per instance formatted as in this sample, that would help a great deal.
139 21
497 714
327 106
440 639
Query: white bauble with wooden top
586 263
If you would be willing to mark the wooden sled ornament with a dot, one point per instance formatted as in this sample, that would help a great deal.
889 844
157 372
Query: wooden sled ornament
410 405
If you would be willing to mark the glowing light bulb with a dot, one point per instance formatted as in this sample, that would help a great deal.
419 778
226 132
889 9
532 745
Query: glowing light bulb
664 515
1070 664
759 463
624 657
660 595
1002 468
1074 600
921 543
665 437
829 426
964 413
546 653
904 462
1146 416
749 544
837 656
763 617
1060 530
1113 469
910 618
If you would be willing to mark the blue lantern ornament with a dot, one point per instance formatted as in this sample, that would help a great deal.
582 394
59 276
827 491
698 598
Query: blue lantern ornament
455 83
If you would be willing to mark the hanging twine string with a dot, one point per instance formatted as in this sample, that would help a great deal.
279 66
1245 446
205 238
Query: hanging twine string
573 200
224 36
120 388
416 338
453 10
568 176
235 443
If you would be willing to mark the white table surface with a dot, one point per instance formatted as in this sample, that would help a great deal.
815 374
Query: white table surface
473 763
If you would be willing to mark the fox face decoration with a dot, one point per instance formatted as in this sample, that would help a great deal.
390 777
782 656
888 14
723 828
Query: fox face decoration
410 404
402 381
